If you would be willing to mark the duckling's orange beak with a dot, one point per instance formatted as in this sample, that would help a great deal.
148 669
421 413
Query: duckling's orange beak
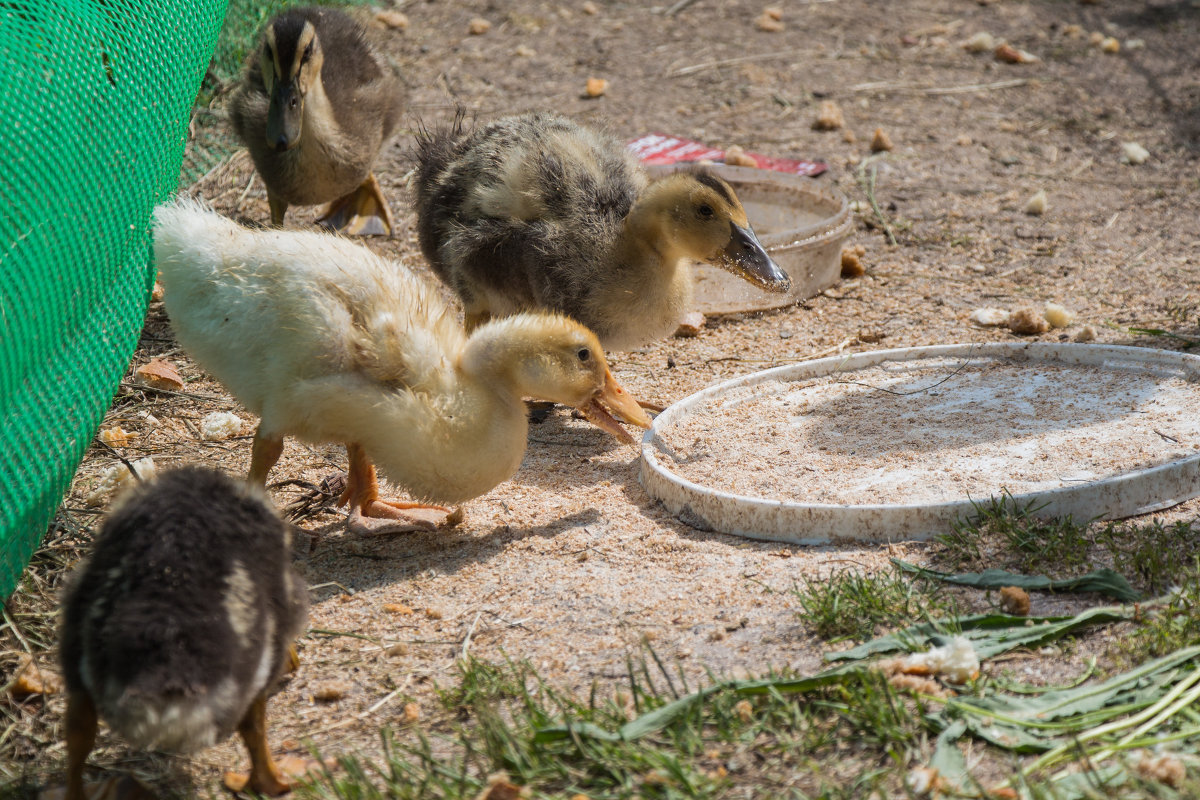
613 399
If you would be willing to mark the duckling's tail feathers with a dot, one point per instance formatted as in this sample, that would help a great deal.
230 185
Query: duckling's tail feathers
436 148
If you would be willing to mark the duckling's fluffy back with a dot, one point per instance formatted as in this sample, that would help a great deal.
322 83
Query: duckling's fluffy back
185 611
286 318
525 209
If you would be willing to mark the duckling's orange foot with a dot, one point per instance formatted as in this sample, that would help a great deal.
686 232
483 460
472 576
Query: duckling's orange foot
363 212
267 784
396 516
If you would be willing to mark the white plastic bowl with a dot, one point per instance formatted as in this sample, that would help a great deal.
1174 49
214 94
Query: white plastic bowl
1157 484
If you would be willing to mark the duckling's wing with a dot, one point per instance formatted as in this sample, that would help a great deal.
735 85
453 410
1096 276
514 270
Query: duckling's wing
362 88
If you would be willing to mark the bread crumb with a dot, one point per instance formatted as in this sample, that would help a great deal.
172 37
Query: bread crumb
955 661
829 117
915 683
774 12
392 19
412 713
117 477
989 317
690 325
768 23
1011 55
158 374
963 140
852 266
524 51
735 156
157 293
1037 204
1014 600
115 436
499 788
590 8
848 136
1110 45
880 141
1058 316
1133 153
1086 334
1027 322
744 710
397 608
434 613
478 26
1073 31
923 781
30 679
981 42
220 425
1165 768
596 87
1095 38
331 691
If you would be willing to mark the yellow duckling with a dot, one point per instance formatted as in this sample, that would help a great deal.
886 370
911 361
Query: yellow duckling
314 107
536 211
326 341
181 622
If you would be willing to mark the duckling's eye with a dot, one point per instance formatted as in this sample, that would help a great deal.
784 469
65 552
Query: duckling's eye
705 211
584 354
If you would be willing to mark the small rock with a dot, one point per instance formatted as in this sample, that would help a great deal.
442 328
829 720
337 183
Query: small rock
1037 204
1133 153
596 87
829 117
989 317
1058 316
1027 322
478 26
881 141
1014 600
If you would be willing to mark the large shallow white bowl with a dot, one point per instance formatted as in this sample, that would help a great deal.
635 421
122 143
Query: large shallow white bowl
802 223
1140 490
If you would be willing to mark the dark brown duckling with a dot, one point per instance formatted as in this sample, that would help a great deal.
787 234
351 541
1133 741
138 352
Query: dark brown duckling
315 105
181 622
539 212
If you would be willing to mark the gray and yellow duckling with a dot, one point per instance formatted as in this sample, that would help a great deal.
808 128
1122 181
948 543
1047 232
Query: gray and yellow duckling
181 622
539 212
315 106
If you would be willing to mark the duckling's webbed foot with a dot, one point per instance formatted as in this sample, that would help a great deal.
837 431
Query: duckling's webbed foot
372 514
363 212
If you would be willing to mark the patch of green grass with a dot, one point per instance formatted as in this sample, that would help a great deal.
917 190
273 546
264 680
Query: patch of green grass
850 605
1026 542
1152 554
1168 627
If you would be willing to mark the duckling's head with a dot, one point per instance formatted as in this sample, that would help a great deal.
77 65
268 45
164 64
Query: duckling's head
706 222
290 59
551 357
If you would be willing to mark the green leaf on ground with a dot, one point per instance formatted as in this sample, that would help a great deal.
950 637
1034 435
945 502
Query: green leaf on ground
1103 581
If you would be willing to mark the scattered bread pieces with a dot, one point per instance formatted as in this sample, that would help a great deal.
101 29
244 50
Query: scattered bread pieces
478 26
982 42
220 425
1058 316
596 87
1014 600
158 374
1027 322
1133 153
881 141
117 478
989 317
690 325
769 23
852 266
829 117
955 661
1086 334
737 157
397 608
392 19
916 683
30 679
1037 205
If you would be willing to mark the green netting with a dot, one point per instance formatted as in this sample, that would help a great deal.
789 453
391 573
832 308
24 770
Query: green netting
93 122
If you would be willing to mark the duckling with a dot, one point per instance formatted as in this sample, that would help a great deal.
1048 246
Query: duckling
314 107
182 622
537 211
326 341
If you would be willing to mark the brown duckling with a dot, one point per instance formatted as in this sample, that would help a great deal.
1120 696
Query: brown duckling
537 211
181 622
314 107
325 340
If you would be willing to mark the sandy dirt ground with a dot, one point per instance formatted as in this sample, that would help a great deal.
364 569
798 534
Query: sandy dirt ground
570 564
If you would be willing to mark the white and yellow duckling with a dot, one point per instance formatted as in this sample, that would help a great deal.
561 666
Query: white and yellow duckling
315 105
538 212
181 622
326 341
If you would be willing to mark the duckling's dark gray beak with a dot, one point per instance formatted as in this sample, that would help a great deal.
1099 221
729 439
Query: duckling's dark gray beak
283 116
745 257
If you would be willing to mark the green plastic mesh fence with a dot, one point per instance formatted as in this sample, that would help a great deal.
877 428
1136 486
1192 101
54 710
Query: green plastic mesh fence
93 122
